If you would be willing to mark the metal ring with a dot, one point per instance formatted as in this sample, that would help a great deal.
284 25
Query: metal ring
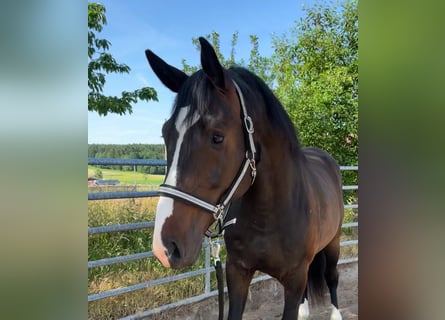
219 211
249 124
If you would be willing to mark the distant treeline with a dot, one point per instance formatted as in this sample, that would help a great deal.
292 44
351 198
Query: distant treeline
129 151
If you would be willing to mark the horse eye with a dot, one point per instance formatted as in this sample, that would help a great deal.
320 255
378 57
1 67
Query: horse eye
217 138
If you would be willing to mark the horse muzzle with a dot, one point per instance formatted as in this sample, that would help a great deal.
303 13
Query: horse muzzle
178 233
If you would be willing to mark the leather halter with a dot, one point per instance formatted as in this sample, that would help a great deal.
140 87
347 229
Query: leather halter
219 211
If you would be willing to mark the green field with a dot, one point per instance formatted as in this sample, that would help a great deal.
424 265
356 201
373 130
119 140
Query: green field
127 177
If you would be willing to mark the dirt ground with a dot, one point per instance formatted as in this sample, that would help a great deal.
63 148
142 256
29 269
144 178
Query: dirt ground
265 301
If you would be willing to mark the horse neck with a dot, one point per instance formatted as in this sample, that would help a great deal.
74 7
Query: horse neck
278 172
281 157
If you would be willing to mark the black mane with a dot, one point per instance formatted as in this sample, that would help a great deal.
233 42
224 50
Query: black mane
250 84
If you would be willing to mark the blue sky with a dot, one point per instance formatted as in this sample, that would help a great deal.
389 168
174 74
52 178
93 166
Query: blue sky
167 28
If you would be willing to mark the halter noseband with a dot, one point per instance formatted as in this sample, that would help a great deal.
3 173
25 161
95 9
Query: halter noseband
219 211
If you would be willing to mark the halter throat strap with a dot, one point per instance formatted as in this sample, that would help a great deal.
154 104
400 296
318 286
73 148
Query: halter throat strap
219 211
248 123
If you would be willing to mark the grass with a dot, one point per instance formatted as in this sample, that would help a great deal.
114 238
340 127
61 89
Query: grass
127 177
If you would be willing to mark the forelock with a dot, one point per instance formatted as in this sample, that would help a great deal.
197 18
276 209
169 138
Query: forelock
196 93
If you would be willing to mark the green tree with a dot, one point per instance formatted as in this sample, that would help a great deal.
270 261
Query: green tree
316 68
98 174
214 39
260 65
314 73
100 63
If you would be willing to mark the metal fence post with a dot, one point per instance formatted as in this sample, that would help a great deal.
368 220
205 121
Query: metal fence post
207 266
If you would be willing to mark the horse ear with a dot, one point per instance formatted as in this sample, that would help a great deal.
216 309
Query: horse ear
171 77
210 64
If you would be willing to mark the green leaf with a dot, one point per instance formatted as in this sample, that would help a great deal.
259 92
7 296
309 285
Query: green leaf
100 63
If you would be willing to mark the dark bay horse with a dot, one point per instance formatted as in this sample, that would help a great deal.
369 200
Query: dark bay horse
233 156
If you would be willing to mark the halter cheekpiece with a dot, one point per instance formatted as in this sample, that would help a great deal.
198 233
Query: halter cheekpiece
219 211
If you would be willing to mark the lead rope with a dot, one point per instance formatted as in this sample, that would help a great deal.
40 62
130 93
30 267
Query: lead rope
214 249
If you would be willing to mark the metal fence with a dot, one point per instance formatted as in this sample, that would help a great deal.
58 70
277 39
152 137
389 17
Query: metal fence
208 268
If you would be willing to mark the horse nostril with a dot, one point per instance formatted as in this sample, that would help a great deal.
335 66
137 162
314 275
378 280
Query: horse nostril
174 254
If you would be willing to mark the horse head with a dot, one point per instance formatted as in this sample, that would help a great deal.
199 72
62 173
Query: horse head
206 146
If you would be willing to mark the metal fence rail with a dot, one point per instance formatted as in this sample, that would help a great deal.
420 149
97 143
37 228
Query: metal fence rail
207 270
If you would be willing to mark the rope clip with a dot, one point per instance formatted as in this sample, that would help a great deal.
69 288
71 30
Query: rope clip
214 250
